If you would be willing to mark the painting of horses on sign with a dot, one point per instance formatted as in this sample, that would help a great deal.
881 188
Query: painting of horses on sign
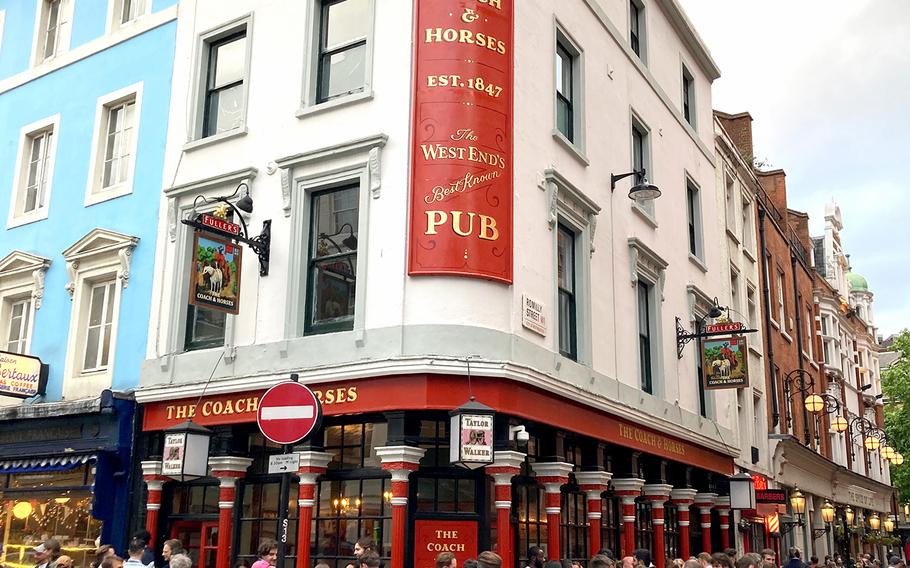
725 362
215 273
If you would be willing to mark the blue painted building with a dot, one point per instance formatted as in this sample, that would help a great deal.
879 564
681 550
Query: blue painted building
84 98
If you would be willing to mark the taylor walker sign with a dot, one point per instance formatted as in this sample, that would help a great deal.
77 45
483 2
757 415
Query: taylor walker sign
21 376
215 273
472 441
461 153
726 362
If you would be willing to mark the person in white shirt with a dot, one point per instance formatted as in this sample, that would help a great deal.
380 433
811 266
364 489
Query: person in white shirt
136 550
46 553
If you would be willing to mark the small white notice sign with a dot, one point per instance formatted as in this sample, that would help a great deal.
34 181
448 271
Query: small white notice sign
284 463
532 315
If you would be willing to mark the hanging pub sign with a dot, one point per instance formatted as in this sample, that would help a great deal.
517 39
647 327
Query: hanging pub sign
725 362
186 451
461 140
471 435
215 270
21 376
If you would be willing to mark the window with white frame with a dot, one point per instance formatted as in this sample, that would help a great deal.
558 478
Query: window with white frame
810 327
114 147
565 283
748 226
568 88
693 218
641 158
21 290
781 310
224 71
637 39
752 305
52 36
730 202
35 169
344 28
130 10
98 265
734 288
2 27
688 96
648 274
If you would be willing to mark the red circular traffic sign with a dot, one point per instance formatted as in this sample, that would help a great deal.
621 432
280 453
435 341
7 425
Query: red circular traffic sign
288 413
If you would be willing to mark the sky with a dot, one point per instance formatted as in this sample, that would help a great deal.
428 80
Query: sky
827 83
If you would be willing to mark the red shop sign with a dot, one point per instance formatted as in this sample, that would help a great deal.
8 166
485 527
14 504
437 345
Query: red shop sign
434 536
461 155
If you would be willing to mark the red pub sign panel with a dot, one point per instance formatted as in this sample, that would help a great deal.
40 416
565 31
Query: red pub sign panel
434 536
461 154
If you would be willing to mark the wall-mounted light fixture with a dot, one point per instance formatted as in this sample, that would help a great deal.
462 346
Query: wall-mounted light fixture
642 190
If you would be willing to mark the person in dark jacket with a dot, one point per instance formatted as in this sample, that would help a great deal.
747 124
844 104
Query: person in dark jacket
795 561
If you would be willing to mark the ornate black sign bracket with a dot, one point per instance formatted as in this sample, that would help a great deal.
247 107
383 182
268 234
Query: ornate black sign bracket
684 336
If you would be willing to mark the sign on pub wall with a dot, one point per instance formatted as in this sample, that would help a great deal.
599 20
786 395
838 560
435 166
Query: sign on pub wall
461 156
21 376
215 271
726 362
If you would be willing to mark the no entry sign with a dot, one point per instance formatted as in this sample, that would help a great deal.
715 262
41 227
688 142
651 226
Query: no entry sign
288 413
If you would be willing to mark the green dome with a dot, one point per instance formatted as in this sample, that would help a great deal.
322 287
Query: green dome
857 282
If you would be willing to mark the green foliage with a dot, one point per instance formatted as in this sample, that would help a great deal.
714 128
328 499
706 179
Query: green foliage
896 384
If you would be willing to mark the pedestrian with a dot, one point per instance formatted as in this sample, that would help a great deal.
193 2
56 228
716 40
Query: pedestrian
750 560
731 552
101 553
363 544
46 553
136 552
148 557
321 565
692 563
642 557
600 561
242 563
112 561
813 562
536 557
553 564
181 561
608 553
795 561
628 562
768 556
446 560
369 559
267 552
469 563
170 548
64 562
720 560
487 559
704 559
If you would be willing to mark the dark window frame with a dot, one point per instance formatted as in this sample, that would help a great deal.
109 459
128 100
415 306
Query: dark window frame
692 219
635 27
644 527
569 295
210 69
688 96
611 526
565 79
645 344
325 53
573 523
671 531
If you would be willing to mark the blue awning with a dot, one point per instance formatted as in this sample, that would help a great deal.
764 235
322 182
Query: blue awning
49 463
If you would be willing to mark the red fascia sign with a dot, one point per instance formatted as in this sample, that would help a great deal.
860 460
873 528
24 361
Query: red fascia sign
460 220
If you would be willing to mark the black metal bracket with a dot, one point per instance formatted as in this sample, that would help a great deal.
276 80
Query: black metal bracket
260 244
787 526
817 533
615 178
684 336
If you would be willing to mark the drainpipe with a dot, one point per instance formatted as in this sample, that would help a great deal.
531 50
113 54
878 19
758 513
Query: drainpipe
766 296
799 344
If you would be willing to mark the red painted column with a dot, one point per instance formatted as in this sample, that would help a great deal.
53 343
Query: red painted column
723 510
505 466
399 461
658 494
705 501
312 465
683 498
154 481
553 475
593 483
628 489
228 469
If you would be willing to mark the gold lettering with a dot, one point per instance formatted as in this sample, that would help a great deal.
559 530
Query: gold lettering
229 406
170 412
207 408
352 394
252 402
434 219
218 407
456 224
341 396
491 3
488 230
329 397
181 412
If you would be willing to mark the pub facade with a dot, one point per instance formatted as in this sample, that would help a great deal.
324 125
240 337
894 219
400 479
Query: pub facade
440 232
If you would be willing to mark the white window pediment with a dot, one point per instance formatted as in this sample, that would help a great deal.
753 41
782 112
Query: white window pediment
644 262
21 270
103 250
569 201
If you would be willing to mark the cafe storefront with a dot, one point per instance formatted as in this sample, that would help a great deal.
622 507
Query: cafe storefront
64 474
380 467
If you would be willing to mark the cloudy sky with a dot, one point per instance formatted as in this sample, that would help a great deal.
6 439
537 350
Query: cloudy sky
827 83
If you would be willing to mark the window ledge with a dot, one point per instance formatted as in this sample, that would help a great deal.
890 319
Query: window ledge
310 110
114 192
754 350
644 214
786 336
698 262
732 234
774 324
214 139
573 148
749 254
26 218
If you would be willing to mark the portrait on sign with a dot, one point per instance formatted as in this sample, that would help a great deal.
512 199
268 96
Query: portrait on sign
726 362
215 273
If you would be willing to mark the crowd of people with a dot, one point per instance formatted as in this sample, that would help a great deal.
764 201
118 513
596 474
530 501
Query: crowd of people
139 555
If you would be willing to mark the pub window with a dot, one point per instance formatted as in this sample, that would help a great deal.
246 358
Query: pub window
352 445
671 531
344 26
531 525
259 517
566 280
442 493
573 524
332 261
434 438
347 510
644 529
695 529
610 523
